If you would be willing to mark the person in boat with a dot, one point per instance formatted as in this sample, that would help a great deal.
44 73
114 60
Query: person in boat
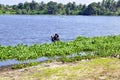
55 38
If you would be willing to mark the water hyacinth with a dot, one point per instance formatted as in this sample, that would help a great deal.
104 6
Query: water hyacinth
103 46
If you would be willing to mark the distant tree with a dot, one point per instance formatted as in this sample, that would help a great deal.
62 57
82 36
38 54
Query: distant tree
24 11
34 5
42 8
52 7
19 11
20 6
1 12
27 6
91 9
14 7
61 9
105 7
80 9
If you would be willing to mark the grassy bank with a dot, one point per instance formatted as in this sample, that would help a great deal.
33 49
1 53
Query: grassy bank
99 46
95 69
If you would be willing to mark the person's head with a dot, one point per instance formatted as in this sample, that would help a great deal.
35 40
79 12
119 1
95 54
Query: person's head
56 35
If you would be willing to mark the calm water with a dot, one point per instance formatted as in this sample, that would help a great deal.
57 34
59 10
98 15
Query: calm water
29 29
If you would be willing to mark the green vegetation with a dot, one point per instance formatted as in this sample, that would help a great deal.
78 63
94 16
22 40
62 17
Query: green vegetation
95 69
93 47
106 7
20 66
86 70
83 70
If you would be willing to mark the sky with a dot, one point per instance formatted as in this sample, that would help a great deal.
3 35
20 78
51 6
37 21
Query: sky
11 2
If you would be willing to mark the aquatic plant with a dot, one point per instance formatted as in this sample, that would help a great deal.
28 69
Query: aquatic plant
102 46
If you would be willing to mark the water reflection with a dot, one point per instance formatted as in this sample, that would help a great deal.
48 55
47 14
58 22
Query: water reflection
13 61
41 59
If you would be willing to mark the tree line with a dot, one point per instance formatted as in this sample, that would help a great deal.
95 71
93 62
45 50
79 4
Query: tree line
105 7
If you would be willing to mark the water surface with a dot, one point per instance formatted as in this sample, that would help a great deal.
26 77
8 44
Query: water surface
33 29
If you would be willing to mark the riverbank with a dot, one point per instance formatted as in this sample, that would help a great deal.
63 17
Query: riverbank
95 69
81 48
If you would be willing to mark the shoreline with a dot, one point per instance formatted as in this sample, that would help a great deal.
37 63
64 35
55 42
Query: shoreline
100 69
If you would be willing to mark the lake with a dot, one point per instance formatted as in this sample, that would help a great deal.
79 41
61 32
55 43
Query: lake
37 29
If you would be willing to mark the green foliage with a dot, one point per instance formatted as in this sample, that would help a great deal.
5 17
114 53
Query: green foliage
106 7
80 48
91 9
0 11
20 66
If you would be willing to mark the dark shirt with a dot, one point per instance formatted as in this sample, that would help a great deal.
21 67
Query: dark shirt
55 38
